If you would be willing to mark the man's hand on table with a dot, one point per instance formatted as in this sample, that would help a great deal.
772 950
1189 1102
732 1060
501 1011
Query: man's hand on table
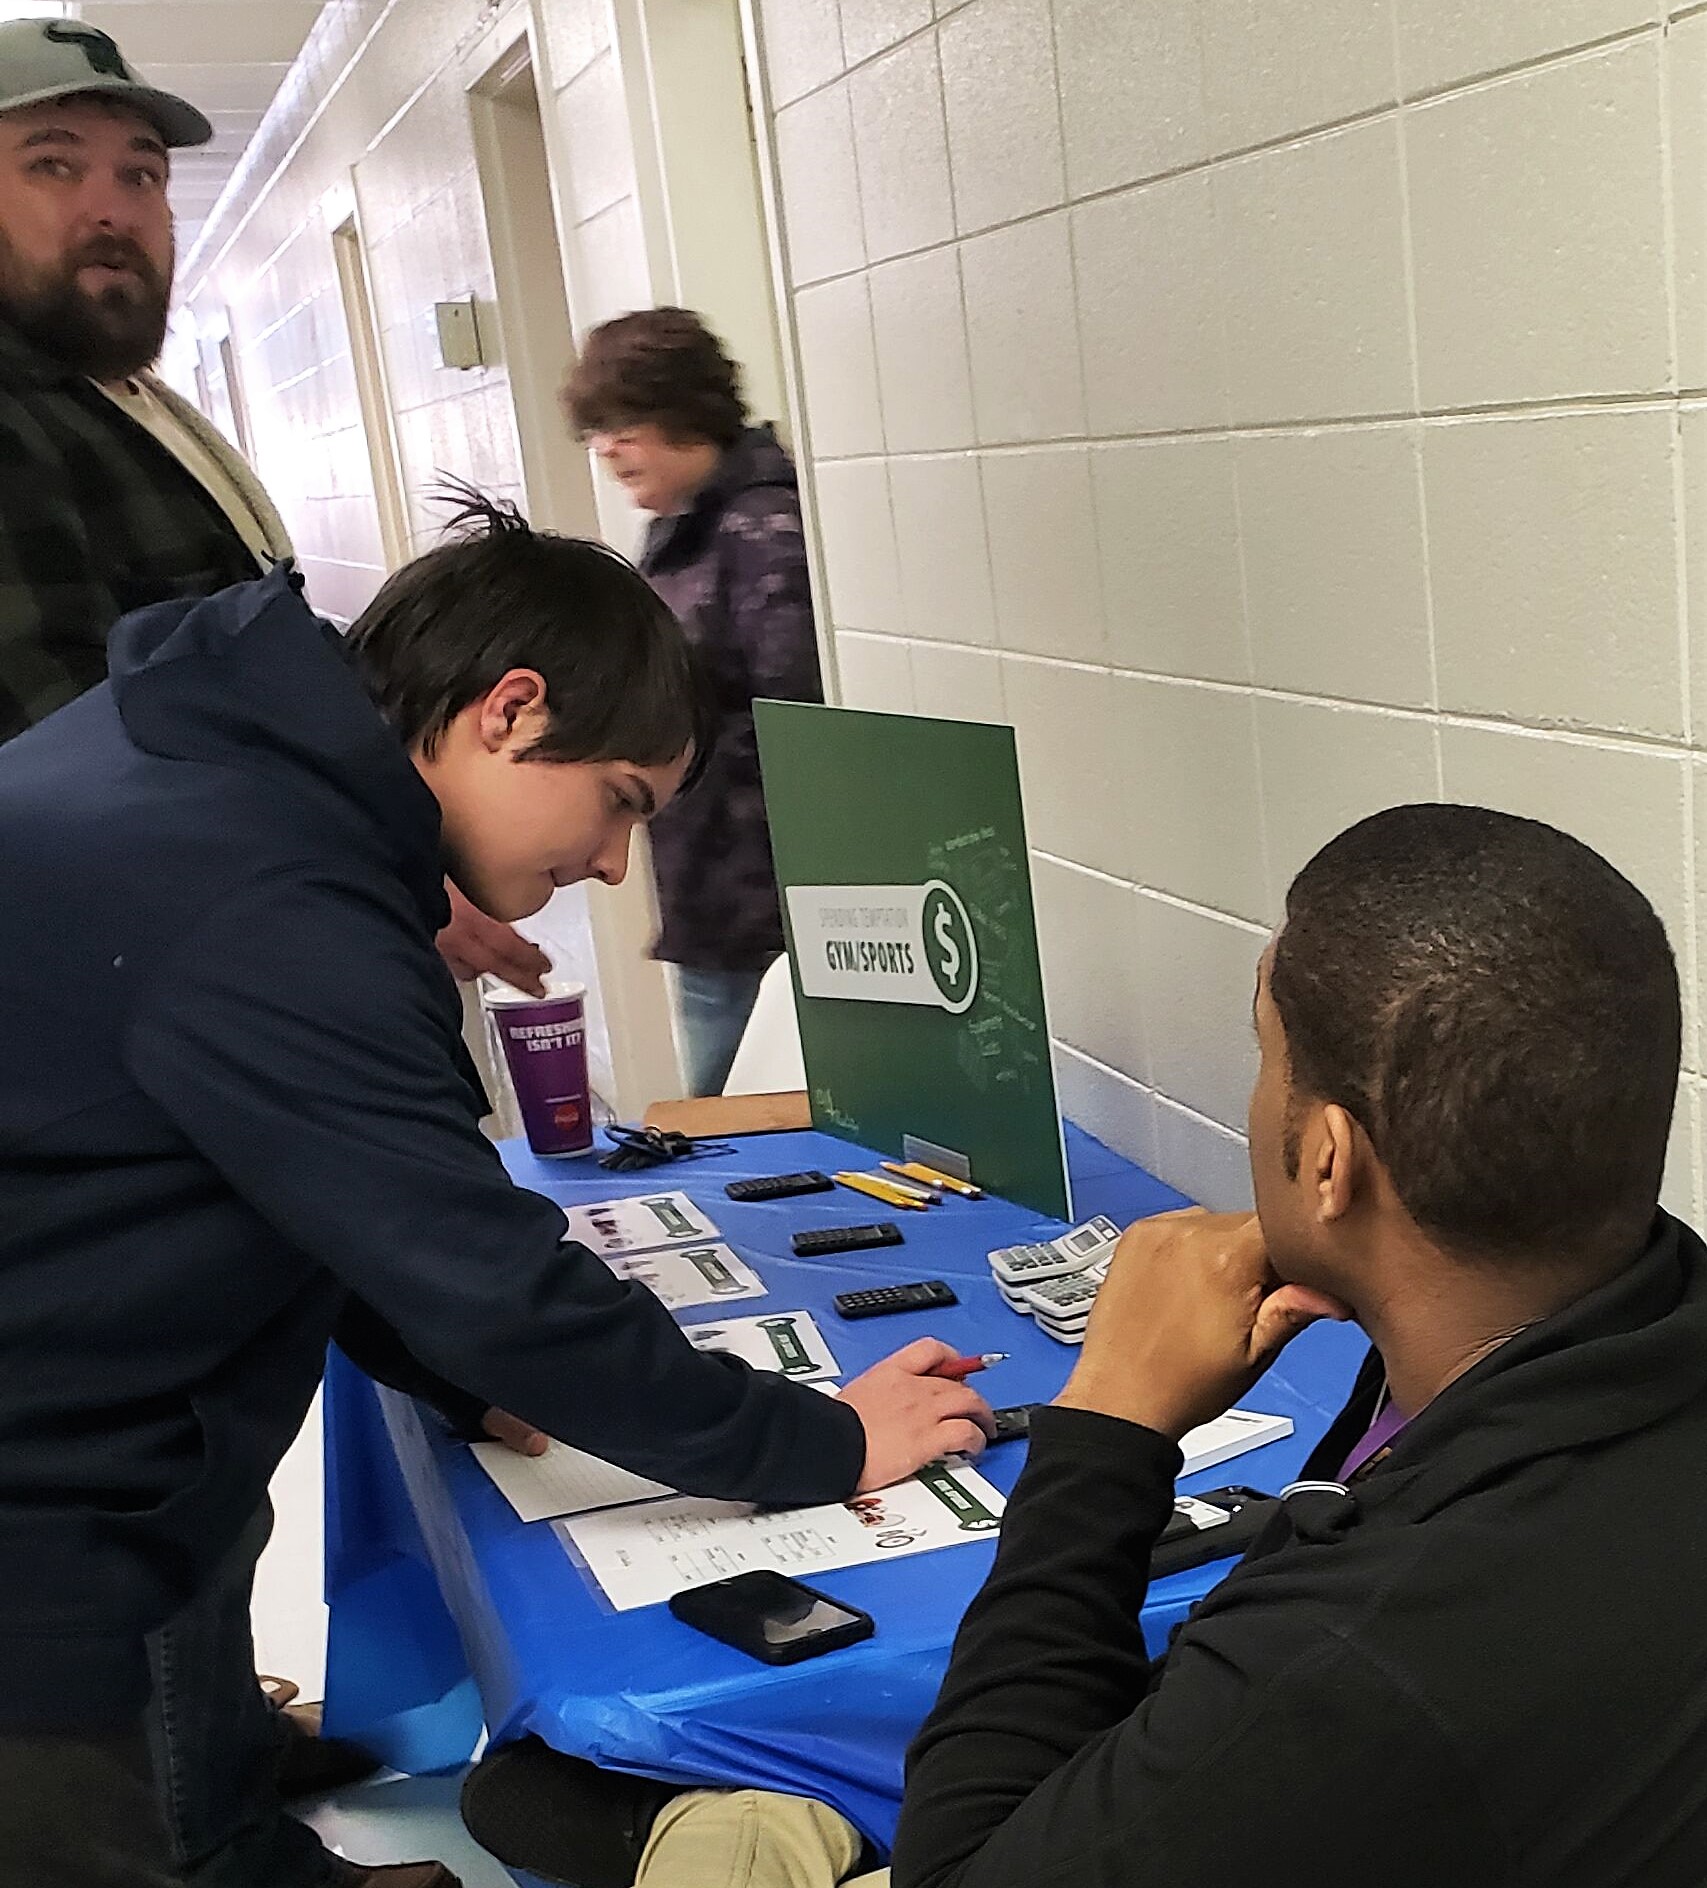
911 1417
1190 1315
475 945
510 1430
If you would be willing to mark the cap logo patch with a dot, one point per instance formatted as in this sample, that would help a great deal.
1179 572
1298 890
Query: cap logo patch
105 59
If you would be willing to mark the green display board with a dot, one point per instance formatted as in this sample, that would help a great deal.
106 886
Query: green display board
900 850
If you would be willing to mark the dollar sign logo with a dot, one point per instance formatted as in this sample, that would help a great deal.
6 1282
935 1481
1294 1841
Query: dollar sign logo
946 944
950 947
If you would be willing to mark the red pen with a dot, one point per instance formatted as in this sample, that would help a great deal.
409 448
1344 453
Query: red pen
960 1368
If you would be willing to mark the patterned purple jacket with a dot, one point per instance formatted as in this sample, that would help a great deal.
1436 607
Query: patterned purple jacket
733 568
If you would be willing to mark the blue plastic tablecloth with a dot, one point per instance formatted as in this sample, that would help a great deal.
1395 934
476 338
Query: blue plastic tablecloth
447 1610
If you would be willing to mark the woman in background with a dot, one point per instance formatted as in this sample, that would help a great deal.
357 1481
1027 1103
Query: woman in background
659 402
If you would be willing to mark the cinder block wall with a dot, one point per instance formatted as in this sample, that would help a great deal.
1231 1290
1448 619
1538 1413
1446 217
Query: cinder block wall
1276 409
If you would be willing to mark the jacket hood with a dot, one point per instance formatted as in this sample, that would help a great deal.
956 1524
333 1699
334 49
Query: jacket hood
251 678
1618 1360
756 458
755 462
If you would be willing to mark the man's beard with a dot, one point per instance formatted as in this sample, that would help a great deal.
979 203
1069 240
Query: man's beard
109 335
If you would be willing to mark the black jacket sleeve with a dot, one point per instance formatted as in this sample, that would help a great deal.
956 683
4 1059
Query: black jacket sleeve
302 1041
1270 1751
371 1345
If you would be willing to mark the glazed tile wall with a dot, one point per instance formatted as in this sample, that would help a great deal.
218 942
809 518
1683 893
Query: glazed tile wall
1276 409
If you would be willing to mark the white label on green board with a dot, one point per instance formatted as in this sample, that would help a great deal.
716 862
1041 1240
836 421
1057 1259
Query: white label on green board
885 944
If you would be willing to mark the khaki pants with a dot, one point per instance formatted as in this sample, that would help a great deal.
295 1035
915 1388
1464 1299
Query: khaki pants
750 1839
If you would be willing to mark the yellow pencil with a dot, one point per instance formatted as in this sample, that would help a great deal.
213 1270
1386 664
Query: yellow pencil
926 1196
928 1176
884 1190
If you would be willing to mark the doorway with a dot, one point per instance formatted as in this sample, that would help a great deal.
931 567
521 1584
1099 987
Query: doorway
599 938
363 329
532 305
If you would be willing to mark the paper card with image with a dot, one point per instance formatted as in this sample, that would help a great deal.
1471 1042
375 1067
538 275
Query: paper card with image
643 1554
646 1224
690 1275
789 1341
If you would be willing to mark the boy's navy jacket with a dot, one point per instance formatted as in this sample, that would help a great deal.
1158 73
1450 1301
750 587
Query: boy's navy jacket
233 1091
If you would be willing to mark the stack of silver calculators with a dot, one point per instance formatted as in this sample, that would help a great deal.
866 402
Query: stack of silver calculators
1057 1283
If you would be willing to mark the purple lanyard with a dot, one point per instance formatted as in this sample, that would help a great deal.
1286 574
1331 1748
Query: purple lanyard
1389 1420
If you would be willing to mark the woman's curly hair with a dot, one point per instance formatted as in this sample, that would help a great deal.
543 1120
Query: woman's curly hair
659 365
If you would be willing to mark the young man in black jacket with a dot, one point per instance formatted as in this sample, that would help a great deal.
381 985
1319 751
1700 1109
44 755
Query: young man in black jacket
244 1096
1475 1653
1480 1655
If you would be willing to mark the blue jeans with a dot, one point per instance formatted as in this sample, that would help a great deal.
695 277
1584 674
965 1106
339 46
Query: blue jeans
80 1812
215 1741
712 1007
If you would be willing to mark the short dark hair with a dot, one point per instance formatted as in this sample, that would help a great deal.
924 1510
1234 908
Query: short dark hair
661 366
1498 1009
621 681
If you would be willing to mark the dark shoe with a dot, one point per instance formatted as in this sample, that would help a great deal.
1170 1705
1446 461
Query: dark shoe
391 1875
310 1765
559 1817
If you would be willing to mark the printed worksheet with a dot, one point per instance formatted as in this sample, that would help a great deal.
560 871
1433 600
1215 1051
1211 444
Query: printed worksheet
789 1341
691 1275
654 1220
642 1555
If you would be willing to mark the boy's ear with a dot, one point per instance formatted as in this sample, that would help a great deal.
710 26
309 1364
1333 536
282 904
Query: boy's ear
511 708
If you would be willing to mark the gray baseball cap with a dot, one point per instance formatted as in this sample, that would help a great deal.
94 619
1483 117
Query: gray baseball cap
43 59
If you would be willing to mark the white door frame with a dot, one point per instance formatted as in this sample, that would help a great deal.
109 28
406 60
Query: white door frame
560 495
373 395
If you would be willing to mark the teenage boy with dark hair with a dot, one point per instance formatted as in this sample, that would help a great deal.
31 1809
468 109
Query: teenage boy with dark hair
116 493
1474 1653
245 1096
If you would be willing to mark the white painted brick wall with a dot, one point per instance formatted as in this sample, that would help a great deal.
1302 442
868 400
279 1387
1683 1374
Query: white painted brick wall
1276 409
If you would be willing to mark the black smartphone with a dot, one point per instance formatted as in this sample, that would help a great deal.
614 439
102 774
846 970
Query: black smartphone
770 1617
1013 1424
1214 1526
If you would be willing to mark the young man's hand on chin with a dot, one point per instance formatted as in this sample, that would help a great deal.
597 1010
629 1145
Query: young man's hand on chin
1191 1314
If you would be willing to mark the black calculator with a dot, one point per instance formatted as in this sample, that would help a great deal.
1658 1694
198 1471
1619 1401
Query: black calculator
820 1241
928 1294
779 1186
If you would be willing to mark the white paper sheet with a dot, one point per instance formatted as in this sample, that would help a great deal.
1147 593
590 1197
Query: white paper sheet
646 1224
562 1481
1240 1429
691 1275
566 1481
642 1555
789 1341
